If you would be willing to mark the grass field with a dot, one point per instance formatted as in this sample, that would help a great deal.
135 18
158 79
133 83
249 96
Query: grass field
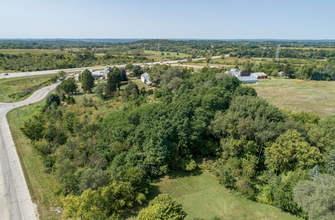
32 51
311 96
162 58
13 85
203 197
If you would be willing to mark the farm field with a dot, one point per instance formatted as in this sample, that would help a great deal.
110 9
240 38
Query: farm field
32 51
311 96
13 85
203 197
172 54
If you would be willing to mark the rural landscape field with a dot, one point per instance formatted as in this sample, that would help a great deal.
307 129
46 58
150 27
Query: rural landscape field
167 110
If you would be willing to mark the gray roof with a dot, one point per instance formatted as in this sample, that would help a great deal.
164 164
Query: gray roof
258 74
145 75
248 79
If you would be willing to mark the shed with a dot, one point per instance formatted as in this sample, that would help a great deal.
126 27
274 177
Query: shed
248 79
259 75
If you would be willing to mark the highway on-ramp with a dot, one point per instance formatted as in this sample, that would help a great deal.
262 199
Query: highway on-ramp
15 200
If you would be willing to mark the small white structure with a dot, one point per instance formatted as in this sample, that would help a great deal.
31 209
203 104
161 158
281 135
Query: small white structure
248 79
259 75
281 75
146 78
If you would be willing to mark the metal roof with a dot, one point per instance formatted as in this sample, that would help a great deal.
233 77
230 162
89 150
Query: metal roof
248 79
144 75
258 74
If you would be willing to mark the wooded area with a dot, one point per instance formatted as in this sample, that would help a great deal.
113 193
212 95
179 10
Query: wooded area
259 151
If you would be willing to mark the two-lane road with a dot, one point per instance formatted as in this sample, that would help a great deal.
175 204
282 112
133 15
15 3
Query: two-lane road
15 200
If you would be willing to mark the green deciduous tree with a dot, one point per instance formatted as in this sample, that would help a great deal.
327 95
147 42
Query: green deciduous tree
102 203
114 80
130 90
208 58
137 71
290 151
317 197
87 81
163 207
323 136
288 71
52 98
101 90
245 90
34 128
330 162
129 66
69 85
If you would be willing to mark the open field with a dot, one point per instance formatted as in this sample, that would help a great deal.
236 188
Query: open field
203 197
13 85
162 58
32 51
311 96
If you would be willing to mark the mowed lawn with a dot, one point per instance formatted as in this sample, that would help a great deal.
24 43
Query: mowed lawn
203 197
14 85
311 96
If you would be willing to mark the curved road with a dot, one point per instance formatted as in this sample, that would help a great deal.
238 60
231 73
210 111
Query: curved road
15 200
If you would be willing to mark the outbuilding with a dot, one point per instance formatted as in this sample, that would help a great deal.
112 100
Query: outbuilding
248 79
259 75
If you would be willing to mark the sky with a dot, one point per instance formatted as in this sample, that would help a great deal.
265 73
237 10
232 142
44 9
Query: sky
181 19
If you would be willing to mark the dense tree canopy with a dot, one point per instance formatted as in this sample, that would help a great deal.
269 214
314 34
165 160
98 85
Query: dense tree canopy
103 165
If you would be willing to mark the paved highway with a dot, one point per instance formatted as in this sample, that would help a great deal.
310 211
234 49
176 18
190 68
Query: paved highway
45 72
15 200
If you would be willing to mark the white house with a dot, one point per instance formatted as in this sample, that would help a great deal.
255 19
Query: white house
146 78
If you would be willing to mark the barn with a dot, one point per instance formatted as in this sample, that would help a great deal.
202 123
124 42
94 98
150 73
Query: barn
248 79
259 75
